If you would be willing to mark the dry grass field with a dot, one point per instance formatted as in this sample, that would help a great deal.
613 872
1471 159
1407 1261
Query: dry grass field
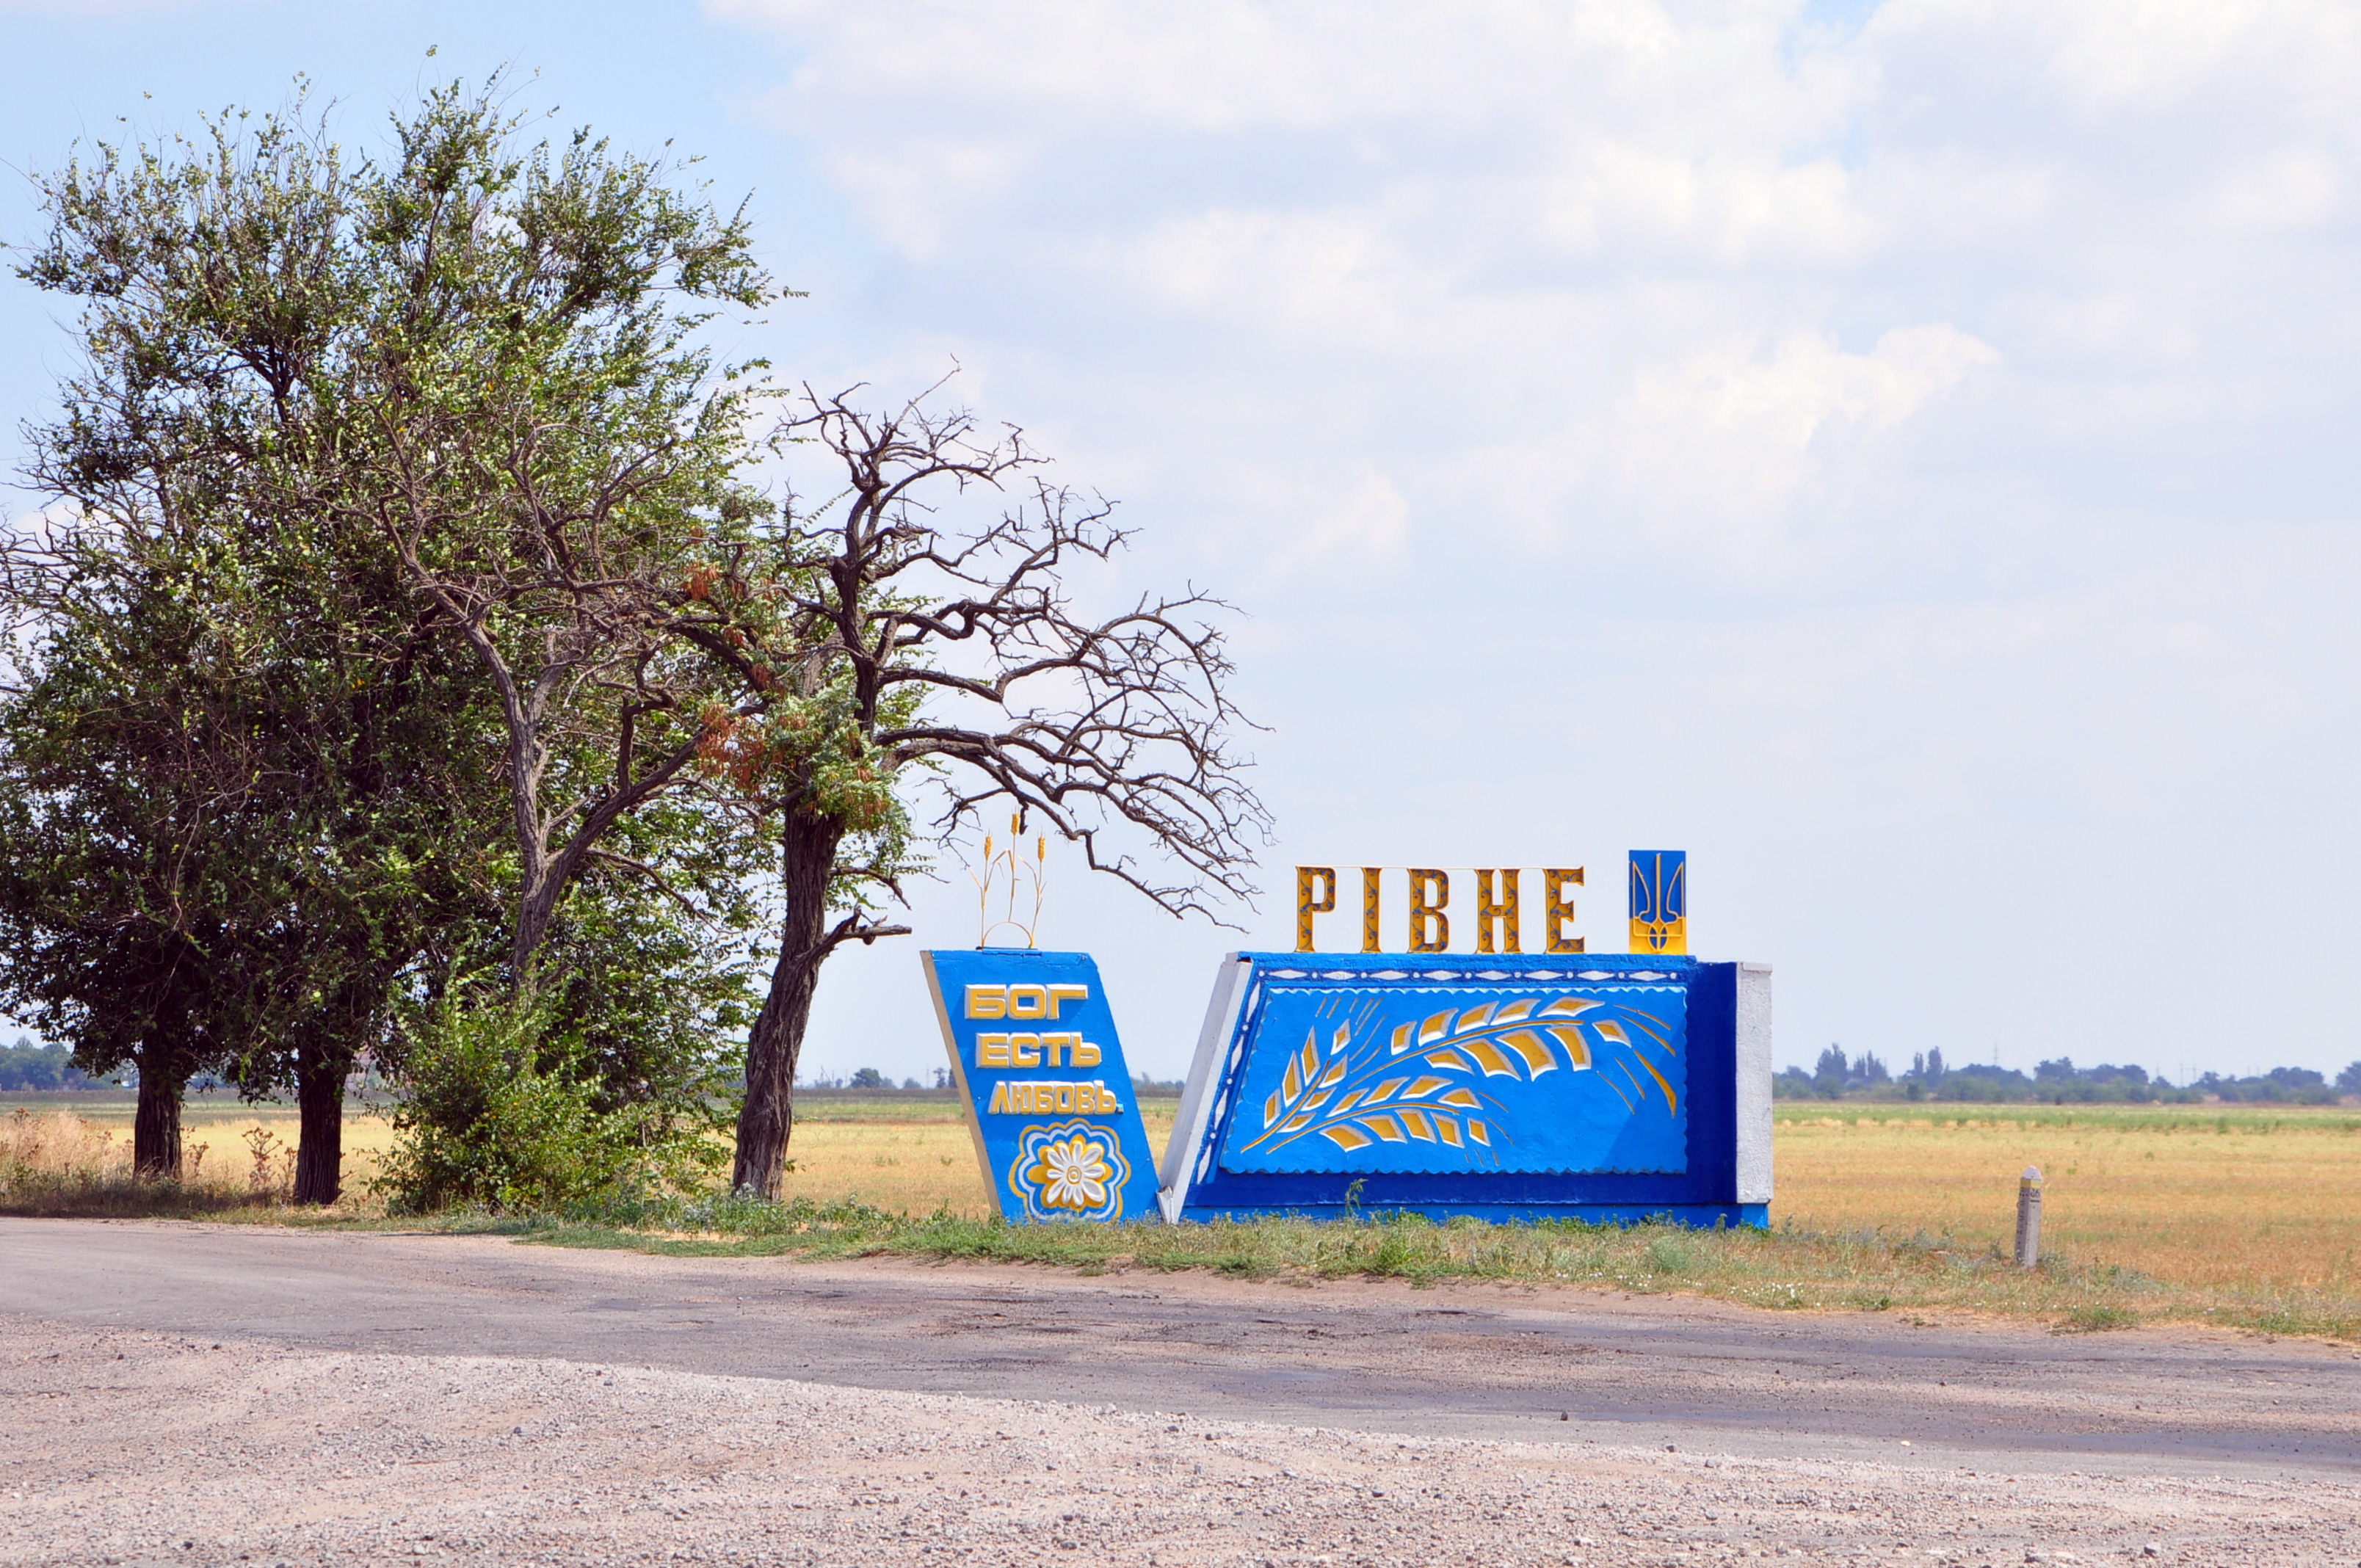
227 1147
2224 1213
906 1158
2217 1198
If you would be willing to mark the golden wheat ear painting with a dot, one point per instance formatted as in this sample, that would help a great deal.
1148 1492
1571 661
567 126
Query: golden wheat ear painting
1436 1079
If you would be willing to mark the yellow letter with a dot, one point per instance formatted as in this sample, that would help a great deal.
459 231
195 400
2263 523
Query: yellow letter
992 1051
1370 878
1085 1053
1064 993
987 1002
999 1106
1430 927
1559 909
1504 912
1029 1002
1308 904
1056 1046
1026 1049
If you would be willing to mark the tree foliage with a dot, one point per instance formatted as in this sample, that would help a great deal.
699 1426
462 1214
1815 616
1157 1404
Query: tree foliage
264 789
406 613
550 445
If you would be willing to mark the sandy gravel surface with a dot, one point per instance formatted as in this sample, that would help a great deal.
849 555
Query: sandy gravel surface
1463 1360
136 1447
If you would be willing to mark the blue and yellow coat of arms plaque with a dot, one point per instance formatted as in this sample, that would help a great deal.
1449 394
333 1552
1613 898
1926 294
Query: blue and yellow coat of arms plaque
1501 1086
1660 900
1050 1103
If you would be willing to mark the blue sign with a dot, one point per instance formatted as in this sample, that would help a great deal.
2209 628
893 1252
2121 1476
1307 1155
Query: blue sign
1503 1086
1033 1047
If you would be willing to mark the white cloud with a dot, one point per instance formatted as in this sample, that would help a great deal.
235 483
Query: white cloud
1925 440
1353 530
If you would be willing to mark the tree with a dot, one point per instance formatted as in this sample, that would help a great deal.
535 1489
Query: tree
2349 1080
878 642
202 608
552 444
125 824
346 441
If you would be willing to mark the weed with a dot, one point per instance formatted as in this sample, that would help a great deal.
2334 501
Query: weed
2090 1319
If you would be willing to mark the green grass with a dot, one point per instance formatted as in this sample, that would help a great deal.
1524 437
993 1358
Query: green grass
1786 1269
1883 1213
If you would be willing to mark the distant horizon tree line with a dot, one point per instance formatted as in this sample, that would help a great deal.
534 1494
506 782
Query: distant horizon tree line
31 1066
1836 1075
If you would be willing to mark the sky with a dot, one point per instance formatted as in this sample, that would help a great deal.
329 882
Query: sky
1903 454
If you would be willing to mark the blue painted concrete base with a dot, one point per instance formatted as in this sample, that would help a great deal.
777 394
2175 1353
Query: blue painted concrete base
1698 1216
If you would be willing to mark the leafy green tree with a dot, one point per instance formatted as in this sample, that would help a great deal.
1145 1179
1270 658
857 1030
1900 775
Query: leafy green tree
554 447
347 440
125 826
202 605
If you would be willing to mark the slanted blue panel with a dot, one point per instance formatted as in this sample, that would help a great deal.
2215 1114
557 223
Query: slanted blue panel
1581 1086
1050 1103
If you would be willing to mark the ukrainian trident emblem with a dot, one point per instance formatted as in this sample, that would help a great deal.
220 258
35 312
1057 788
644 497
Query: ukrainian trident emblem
1660 900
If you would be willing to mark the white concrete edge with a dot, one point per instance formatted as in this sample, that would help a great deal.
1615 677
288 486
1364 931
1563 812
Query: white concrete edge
1197 1095
958 1078
1754 1175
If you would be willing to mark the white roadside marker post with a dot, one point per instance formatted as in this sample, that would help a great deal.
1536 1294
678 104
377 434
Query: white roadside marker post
2028 1217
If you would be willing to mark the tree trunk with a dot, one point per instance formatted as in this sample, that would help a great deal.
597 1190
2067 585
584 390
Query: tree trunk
320 1102
536 913
767 1120
156 1127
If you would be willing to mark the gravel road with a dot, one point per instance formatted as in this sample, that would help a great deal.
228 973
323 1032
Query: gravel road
287 1432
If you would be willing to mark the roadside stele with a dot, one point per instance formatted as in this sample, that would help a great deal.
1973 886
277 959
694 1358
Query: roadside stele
1039 1068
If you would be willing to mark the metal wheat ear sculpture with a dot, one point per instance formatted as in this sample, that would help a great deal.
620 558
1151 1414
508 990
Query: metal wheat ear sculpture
1423 1086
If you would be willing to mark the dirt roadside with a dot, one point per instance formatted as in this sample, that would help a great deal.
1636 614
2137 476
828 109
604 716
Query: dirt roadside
1474 1361
138 1448
193 1394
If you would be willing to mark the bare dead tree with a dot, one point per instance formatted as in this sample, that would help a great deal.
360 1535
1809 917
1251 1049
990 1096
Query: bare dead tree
893 645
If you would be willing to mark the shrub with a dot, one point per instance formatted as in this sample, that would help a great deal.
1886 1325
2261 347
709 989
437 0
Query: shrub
506 1112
